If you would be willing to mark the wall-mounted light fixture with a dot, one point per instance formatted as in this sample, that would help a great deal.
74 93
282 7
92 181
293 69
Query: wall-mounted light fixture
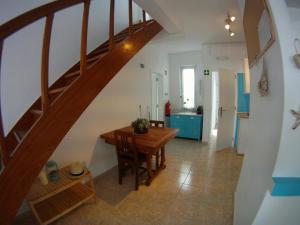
228 22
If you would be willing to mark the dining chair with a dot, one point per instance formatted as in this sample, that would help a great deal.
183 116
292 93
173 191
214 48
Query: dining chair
128 156
157 123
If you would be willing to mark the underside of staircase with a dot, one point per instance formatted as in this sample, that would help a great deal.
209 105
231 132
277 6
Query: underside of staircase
33 139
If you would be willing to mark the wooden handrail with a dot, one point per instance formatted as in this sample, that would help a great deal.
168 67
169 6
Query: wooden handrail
84 33
31 16
130 16
45 62
111 24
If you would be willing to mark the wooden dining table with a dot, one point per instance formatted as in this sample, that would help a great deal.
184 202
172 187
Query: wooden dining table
149 144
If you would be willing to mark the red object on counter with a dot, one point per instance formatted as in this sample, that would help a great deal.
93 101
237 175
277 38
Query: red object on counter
168 108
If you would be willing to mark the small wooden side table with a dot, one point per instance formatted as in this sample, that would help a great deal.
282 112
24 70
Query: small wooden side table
50 202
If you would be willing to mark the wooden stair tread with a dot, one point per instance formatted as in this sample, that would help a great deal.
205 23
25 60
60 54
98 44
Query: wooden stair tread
72 74
57 90
19 135
97 57
37 112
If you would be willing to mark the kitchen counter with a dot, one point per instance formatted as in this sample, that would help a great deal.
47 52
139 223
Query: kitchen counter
189 124
186 113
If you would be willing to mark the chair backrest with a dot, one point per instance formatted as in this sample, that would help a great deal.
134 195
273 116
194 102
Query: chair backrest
157 123
125 144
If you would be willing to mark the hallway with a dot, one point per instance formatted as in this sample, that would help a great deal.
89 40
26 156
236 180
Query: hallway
196 188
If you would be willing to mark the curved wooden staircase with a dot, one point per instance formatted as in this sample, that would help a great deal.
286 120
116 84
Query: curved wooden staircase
30 143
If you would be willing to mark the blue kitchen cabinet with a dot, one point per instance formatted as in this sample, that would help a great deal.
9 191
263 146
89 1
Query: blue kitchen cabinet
189 125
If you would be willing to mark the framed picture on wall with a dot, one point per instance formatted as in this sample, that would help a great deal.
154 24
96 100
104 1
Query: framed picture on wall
259 31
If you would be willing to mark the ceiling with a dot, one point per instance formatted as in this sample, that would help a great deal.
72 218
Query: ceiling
192 23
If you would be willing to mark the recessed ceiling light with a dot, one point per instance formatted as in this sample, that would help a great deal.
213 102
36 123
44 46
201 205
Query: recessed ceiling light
232 34
232 18
227 26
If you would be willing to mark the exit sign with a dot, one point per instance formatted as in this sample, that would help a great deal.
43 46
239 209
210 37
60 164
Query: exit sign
206 72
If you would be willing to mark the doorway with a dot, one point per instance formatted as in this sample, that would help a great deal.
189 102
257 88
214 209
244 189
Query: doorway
226 109
157 112
223 108
214 105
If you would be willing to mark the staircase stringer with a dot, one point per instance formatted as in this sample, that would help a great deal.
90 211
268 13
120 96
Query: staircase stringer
43 138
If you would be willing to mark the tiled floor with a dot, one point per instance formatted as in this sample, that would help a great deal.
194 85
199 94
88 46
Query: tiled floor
196 188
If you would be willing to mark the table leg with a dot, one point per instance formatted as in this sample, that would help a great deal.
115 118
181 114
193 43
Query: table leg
157 160
162 158
92 186
149 169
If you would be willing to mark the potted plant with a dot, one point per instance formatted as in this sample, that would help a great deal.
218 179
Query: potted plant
140 126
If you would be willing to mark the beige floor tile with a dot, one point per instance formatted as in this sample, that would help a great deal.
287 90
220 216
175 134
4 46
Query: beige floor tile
196 188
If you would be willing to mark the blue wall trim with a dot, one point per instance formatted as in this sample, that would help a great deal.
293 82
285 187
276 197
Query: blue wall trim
243 101
286 186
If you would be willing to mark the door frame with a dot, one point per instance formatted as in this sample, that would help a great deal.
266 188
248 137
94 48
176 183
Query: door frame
159 97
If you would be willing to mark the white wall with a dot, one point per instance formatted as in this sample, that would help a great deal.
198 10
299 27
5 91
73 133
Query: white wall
288 164
264 135
273 147
20 85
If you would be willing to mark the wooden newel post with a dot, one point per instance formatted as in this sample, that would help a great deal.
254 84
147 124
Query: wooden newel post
130 16
84 33
45 62
111 24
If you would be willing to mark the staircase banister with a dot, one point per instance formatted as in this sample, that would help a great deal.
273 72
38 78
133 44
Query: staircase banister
33 15
44 137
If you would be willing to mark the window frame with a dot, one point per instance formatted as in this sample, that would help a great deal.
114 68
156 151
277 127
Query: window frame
181 85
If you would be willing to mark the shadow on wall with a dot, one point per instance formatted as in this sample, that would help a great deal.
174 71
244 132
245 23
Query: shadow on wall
103 158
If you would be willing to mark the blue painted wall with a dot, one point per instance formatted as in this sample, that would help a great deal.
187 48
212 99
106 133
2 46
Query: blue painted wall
243 104
286 186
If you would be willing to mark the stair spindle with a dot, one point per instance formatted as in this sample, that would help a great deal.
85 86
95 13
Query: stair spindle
130 16
84 33
45 62
111 24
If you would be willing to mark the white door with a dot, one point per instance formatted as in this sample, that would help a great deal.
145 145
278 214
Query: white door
157 97
226 108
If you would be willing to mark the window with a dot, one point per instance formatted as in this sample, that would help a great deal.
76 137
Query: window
188 87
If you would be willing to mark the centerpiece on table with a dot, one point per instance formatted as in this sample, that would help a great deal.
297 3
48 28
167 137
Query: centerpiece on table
140 126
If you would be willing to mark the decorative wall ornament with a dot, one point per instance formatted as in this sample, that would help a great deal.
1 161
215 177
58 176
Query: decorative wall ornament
297 115
263 83
297 55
